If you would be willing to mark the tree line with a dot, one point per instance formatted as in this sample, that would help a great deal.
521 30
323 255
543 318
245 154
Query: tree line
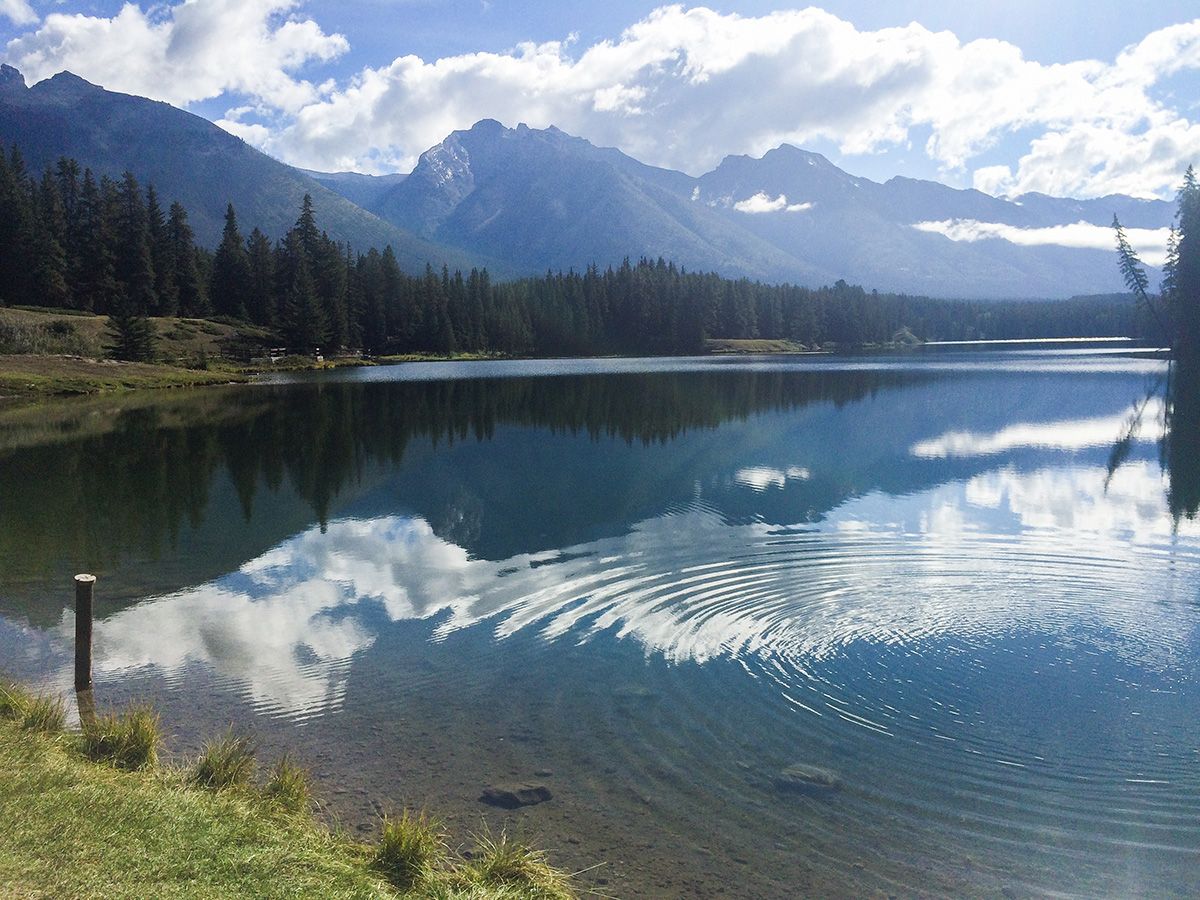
74 241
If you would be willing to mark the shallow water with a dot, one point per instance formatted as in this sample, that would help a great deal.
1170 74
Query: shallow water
652 586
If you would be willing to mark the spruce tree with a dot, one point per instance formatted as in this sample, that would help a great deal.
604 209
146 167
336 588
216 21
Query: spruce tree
229 286
1183 275
134 265
93 274
260 260
166 292
302 320
16 230
48 258
188 282
131 334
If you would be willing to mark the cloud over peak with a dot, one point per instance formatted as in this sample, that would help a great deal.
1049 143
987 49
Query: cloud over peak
683 87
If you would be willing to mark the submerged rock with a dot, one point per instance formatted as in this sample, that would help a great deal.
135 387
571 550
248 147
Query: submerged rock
801 778
513 796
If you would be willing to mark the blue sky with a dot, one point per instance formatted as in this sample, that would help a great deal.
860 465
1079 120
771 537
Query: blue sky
1065 97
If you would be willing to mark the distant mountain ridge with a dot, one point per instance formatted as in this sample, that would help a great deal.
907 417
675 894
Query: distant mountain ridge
524 200
542 198
188 159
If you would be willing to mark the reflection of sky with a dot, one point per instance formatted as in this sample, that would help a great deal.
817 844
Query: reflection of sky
1006 550
759 478
1077 434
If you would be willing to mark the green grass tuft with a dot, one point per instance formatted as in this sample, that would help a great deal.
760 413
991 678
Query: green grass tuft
501 862
227 762
33 712
288 787
411 849
128 740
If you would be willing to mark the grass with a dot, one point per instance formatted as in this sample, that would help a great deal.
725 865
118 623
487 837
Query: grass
504 863
32 712
227 762
289 787
411 850
127 740
756 345
132 829
30 376
393 358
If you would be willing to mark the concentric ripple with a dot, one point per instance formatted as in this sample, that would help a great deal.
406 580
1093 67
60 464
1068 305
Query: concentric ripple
989 685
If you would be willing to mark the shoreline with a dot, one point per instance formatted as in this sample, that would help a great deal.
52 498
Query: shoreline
213 826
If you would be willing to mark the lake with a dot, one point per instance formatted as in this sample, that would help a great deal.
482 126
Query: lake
763 627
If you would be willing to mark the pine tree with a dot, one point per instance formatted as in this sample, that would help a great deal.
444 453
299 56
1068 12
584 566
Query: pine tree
301 317
166 291
16 230
188 282
131 334
229 286
260 259
48 258
133 264
1183 274
93 275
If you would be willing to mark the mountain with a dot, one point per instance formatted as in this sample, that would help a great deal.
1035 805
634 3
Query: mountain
866 230
188 159
523 200
544 199
361 190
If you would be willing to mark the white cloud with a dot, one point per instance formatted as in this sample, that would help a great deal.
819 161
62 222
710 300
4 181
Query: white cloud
759 478
198 50
1150 243
682 87
761 203
1067 435
19 12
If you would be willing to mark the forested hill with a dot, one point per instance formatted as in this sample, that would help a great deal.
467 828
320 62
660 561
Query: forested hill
72 240
188 159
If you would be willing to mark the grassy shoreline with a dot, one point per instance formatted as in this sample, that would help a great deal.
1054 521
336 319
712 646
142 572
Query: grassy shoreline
93 814
33 376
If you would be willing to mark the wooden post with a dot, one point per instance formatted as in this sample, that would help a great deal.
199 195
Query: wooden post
84 585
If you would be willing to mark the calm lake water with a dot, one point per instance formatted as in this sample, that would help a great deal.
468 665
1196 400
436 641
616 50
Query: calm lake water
652 586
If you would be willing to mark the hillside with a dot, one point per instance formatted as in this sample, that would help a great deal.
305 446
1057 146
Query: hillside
188 159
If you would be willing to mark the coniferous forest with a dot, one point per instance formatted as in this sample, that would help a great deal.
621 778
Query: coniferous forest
71 240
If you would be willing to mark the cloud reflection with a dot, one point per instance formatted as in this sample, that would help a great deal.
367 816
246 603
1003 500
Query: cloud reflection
976 559
1075 434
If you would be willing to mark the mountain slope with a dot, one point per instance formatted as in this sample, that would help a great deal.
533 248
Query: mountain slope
188 159
543 199
866 230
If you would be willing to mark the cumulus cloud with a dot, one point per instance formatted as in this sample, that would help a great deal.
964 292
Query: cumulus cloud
193 51
761 203
683 87
1151 243
19 12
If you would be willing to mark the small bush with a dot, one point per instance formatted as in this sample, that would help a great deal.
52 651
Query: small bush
500 862
33 712
410 849
227 762
54 337
128 740
288 786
